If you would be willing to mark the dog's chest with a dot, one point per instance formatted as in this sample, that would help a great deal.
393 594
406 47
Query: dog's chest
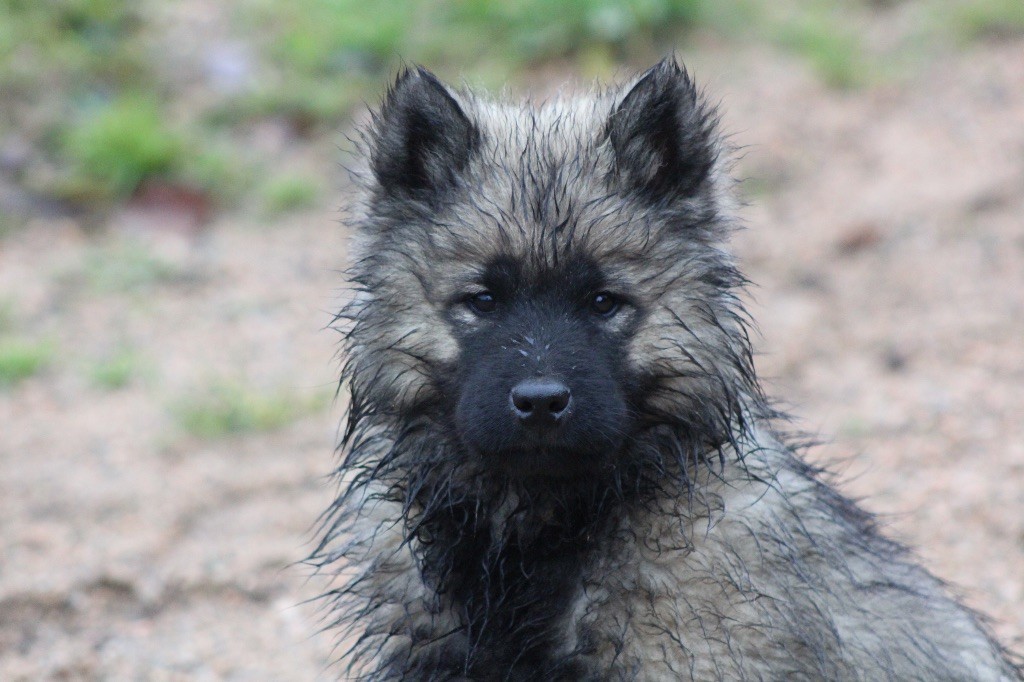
511 598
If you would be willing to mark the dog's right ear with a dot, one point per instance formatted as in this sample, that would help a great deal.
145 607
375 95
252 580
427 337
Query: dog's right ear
422 140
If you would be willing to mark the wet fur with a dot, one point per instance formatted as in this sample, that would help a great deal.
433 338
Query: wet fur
703 547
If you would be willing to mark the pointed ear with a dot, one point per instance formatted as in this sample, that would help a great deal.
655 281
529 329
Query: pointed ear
663 136
421 138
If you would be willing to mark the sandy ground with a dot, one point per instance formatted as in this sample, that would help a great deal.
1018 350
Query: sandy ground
887 245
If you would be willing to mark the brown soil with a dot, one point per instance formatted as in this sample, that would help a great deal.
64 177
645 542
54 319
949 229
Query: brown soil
887 244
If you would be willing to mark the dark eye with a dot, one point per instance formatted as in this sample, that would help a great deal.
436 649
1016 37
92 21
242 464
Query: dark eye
604 304
482 302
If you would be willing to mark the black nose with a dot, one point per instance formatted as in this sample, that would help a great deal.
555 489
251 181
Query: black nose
540 402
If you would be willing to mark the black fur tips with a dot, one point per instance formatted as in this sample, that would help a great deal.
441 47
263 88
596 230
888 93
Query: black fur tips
422 140
663 135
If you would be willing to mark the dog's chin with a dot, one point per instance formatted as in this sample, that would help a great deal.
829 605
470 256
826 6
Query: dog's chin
552 462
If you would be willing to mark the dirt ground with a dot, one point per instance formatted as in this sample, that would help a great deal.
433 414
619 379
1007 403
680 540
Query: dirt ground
886 241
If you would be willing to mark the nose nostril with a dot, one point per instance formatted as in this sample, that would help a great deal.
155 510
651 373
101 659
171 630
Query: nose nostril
540 401
522 404
559 403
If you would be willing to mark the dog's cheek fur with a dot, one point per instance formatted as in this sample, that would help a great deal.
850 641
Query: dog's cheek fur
399 338
687 346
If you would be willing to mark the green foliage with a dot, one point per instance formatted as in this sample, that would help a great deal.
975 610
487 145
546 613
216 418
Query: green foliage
289 192
326 37
85 86
332 53
116 145
119 144
834 52
73 44
220 168
979 18
225 409
21 359
537 29
333 37
116 371
87 83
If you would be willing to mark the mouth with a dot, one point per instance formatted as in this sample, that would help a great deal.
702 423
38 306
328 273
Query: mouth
547 462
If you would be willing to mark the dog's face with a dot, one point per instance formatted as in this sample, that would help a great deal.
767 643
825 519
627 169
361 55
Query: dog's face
542 284
541 384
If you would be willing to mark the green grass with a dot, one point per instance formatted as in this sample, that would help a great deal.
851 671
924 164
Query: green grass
834 52
526 31
85 85
219 167
116 371
7 318
854 427
117 145
114 146
64 65
290 192
226 409
9 223
88 86
974 19
331 54
767 182
20 359
71 43
126 267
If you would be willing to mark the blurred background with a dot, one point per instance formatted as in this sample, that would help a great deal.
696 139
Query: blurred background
170 246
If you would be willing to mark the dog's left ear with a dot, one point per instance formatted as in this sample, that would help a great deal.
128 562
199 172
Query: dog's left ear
663 136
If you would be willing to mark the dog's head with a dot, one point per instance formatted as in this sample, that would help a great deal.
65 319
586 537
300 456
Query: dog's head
541 285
